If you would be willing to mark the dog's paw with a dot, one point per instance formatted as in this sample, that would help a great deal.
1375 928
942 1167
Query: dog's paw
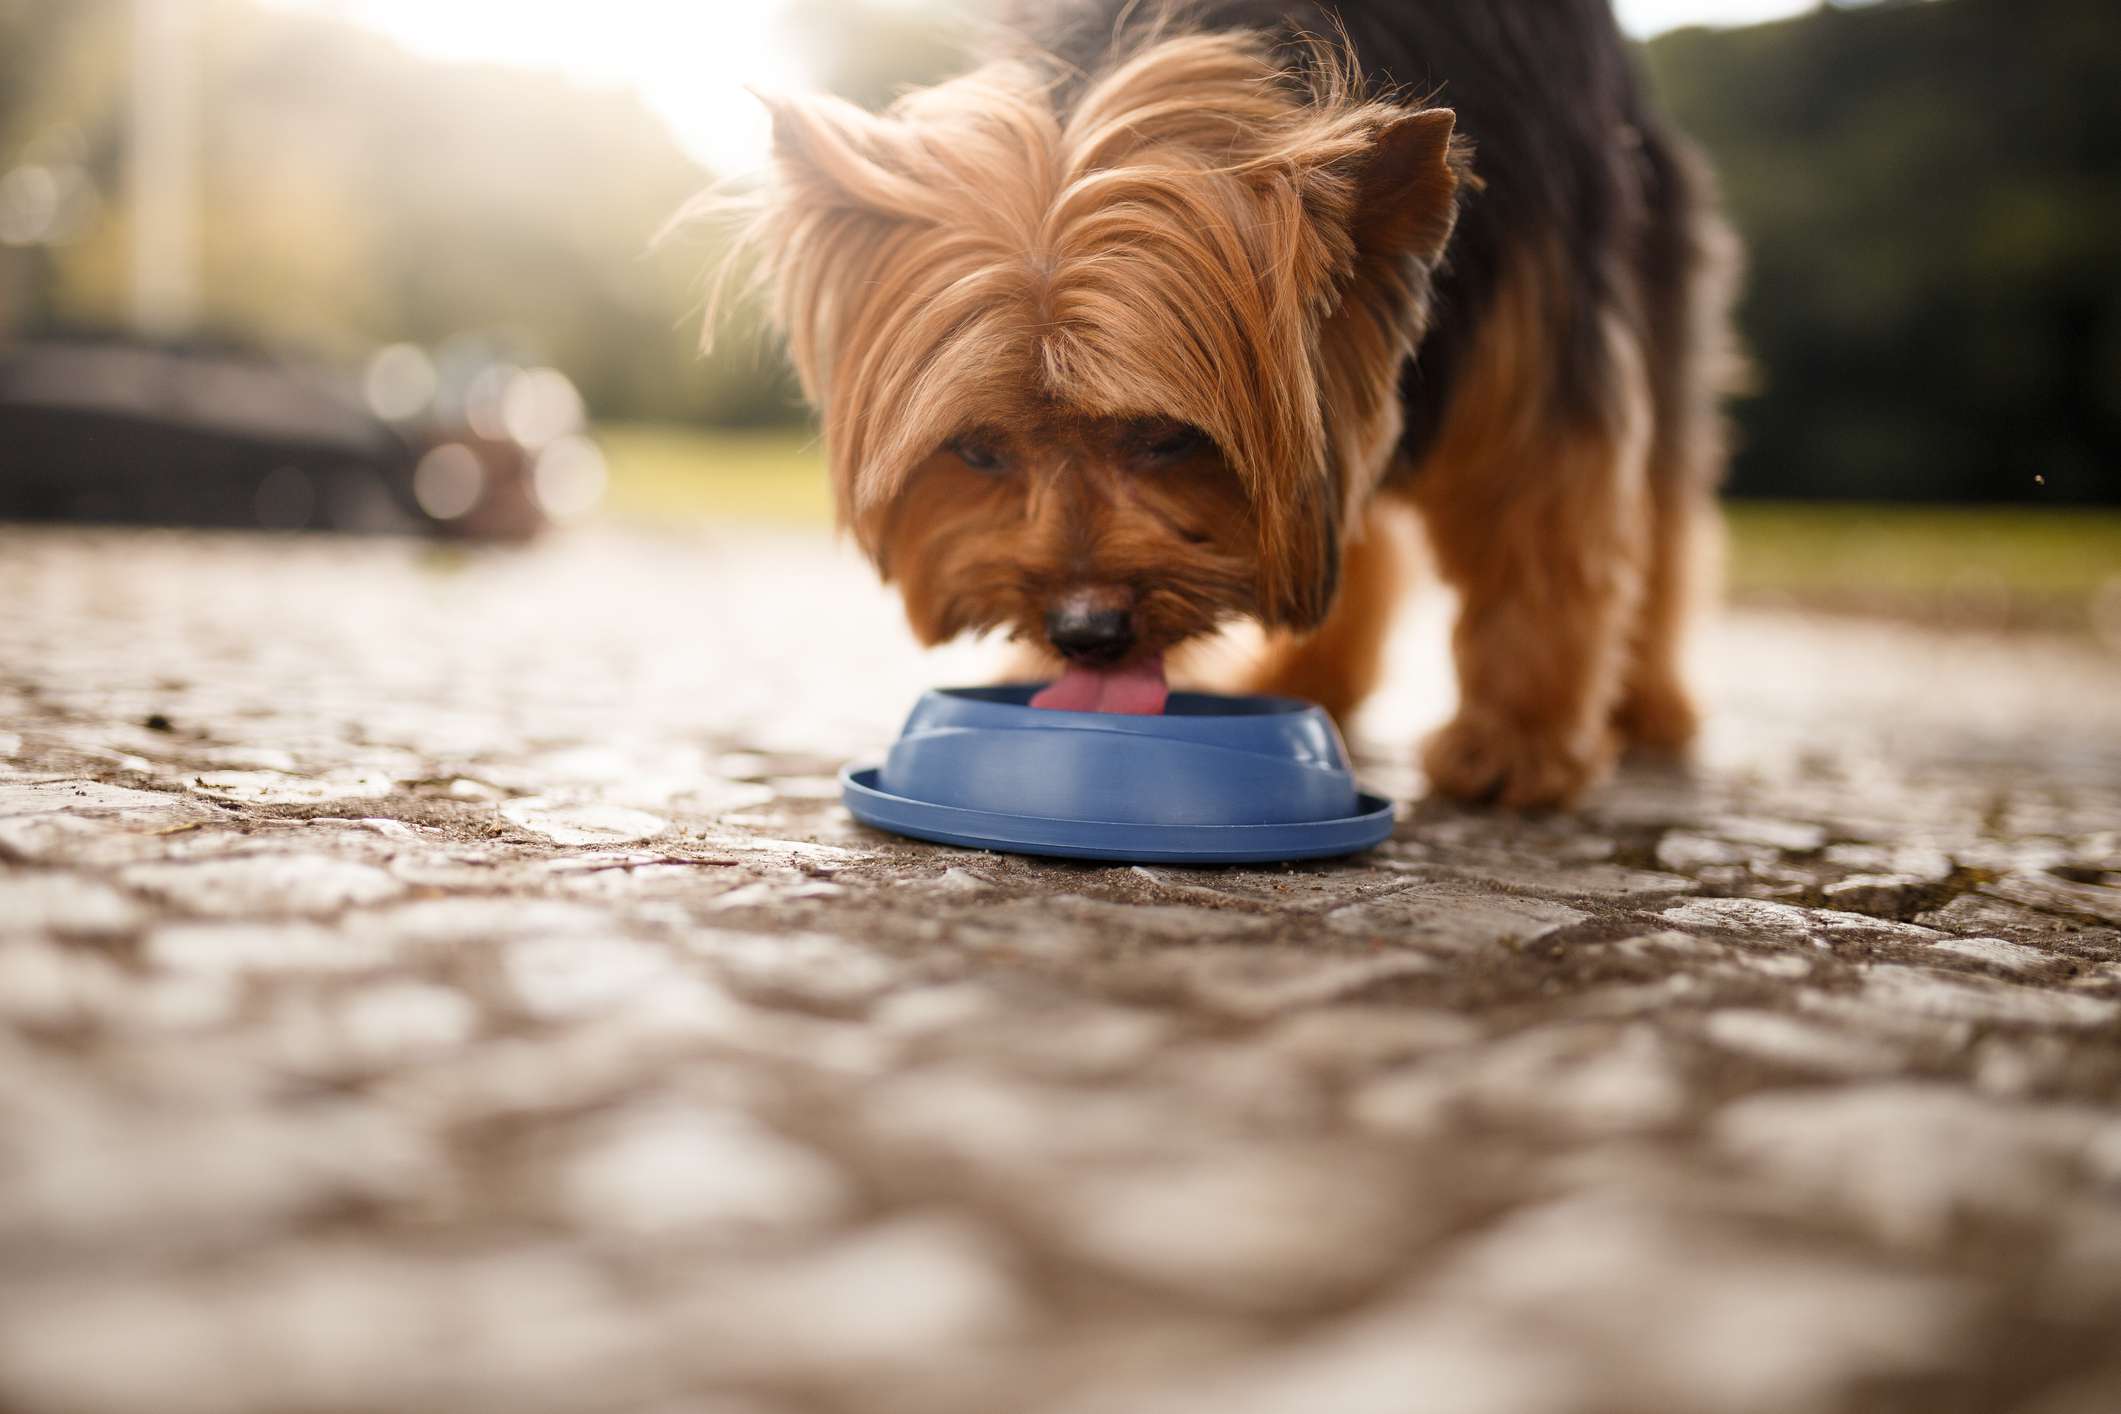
1657 720
1485 760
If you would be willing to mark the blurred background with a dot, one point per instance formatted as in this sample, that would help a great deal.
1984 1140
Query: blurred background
389 265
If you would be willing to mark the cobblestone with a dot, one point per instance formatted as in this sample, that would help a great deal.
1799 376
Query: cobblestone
447 982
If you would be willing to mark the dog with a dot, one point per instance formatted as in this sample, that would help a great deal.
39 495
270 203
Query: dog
1151 321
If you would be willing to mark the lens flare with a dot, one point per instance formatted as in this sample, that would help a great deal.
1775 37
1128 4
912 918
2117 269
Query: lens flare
449 481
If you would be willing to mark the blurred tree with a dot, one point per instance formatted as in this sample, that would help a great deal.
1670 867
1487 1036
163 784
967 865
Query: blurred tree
62 71
356 195
33 35
1930 191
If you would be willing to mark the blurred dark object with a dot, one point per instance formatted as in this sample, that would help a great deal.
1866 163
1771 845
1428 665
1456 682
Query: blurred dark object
117 431
1926 189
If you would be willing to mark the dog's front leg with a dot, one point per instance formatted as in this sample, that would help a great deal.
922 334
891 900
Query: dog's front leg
1544 533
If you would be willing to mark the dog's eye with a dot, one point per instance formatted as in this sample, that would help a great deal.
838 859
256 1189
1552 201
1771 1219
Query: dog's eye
978 453
1172 441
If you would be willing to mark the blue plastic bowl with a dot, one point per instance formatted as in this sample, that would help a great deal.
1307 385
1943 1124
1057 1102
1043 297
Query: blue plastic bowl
1214 780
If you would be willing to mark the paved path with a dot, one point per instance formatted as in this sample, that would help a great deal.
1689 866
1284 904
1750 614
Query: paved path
448 983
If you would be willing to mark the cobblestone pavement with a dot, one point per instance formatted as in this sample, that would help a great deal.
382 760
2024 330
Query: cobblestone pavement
449 983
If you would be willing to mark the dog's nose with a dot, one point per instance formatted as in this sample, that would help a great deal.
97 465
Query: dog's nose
1089 633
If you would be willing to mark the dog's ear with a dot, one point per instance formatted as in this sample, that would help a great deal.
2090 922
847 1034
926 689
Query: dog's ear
820 224
1393 202
829 155
1406 187
840 202
1301 560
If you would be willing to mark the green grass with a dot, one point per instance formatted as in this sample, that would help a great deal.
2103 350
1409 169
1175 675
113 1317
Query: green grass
682 473
1798 546
2030 565
2010 564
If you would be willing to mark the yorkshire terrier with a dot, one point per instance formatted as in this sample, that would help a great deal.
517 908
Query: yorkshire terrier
1144 325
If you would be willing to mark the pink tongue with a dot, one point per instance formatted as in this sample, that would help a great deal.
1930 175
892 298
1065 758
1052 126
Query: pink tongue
1137 689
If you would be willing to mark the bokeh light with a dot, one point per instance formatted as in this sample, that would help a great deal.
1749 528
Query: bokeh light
46 204
449 481
568 478
486 401
540 405
400 383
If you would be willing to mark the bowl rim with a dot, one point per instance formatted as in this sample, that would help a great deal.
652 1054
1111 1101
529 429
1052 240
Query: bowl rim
973 708
1270 704
1066 837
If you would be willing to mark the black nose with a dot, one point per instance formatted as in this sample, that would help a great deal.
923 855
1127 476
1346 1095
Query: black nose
1090 636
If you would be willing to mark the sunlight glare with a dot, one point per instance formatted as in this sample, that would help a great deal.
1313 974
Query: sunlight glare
690 63
1647 17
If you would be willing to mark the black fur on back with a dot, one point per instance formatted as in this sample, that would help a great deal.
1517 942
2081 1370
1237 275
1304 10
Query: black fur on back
1573 167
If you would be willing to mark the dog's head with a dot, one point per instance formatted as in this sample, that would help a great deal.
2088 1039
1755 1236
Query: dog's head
1103 367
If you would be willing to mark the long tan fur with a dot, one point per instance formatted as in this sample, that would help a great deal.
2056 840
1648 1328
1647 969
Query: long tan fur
1139 333
1177 244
